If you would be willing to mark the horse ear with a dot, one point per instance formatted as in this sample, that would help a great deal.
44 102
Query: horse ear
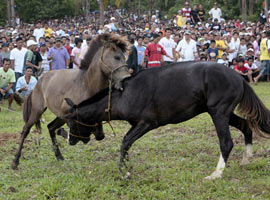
70 102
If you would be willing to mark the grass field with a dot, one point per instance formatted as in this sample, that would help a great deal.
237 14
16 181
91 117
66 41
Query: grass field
167 163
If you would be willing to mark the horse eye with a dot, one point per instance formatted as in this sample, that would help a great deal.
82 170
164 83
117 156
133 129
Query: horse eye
117 57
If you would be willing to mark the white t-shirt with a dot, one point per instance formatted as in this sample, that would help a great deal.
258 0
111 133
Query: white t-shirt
187 50
38 33
216 13
168 45
253 66
45 62
18 57
232 46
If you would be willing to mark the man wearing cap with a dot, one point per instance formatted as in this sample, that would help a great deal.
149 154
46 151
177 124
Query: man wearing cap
26 83
215 12
187 48
17 58
59 56
154 52
265 55
30 58
7 79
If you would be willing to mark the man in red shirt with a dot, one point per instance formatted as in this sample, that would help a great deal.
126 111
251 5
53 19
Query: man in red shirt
241 69
154 52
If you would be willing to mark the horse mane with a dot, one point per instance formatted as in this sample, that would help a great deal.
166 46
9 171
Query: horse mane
95 98
111 41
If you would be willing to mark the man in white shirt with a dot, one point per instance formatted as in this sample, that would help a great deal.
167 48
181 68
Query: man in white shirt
26 83
17 58
169 46
38 31
232 48
215 13
187 48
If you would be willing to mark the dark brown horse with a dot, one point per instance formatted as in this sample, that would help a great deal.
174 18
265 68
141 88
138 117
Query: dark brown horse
103 61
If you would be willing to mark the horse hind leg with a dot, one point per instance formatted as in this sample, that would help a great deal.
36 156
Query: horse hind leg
243 126
53 126
222 126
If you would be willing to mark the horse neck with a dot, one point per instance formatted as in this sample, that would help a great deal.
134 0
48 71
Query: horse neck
94 77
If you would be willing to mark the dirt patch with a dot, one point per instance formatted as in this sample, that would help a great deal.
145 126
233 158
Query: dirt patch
6 137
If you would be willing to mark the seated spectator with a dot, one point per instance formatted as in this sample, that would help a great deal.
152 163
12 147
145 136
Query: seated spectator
255 71
7 78
224 60
242 70
26 83
212 51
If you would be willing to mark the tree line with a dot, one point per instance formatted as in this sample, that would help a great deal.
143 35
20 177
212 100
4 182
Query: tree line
32 10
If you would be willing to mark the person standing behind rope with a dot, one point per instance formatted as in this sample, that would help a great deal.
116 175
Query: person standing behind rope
265 55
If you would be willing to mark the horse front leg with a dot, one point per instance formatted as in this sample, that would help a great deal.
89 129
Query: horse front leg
55 124
16 160
132 135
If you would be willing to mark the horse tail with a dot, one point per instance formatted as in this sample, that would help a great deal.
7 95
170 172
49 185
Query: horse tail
252 108
27 111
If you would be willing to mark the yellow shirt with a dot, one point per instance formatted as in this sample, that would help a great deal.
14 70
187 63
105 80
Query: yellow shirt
6 77
265 45
48 32
181 21
220 43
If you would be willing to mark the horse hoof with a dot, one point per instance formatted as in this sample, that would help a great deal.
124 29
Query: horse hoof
60 157
212 177
14 165
100 137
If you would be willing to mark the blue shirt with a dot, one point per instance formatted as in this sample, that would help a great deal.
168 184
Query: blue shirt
59 57
140 53
21 83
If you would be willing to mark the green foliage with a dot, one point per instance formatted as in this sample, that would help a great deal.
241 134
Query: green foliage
167 163
2 12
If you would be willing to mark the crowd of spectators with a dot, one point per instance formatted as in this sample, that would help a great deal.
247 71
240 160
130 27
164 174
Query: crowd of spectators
30 50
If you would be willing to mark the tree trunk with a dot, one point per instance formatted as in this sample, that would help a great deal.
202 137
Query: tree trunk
87 10
8 12
101 12
266 8
244 10
12 13
250 7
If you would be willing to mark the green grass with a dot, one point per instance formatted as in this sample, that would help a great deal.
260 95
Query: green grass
167 163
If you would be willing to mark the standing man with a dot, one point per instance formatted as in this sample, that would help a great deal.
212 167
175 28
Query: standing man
186 11
169 46
154 53
38 31
44 55
59 56
7 78
265 55
187 48
140 51
30 57
17 58
75 54
215 12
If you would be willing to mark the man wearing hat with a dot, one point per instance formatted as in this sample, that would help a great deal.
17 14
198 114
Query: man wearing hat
59 56
30 58
265 55
187 48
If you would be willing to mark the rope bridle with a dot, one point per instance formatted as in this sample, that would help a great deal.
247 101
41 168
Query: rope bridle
108 109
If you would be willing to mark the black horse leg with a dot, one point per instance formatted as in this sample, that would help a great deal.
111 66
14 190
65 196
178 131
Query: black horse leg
25 132
99 134
242 125
226 144
132 135
55 124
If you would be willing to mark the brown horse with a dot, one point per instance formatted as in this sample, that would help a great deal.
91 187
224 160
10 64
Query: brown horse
103 61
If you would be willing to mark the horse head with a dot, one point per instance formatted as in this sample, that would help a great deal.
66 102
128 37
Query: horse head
80 131
109 50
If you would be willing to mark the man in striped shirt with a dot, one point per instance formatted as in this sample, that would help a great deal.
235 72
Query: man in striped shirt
154 52
186 11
